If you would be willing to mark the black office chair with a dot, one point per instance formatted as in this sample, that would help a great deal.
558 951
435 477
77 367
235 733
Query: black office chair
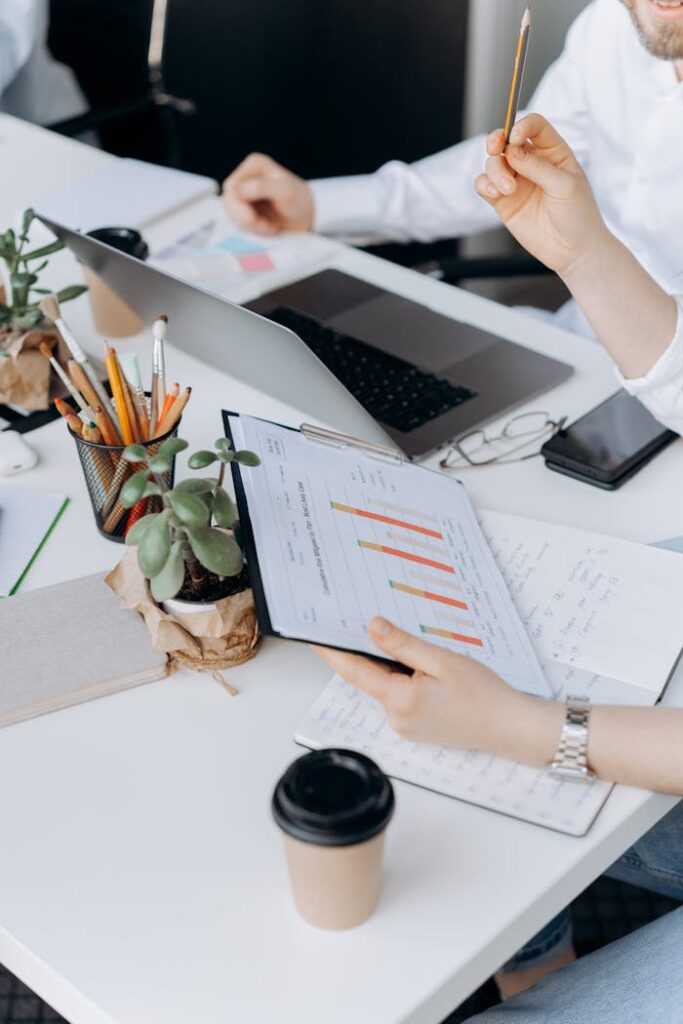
107 46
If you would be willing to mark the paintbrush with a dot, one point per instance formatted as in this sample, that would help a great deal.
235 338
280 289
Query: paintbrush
73 391
158 388
49 307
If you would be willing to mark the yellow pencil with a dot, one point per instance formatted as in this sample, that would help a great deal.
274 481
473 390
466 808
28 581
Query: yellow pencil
518 73
119 397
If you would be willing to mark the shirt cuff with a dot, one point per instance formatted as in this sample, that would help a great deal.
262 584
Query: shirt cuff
347 206
661 390
667 371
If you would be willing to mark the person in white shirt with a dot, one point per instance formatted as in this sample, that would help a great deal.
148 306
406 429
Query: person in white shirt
539 190
615 94
33 86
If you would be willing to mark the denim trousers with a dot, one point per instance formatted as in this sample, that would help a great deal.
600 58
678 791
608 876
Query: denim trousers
635 980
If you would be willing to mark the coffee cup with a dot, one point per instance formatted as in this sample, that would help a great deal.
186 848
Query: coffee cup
113 317
333 807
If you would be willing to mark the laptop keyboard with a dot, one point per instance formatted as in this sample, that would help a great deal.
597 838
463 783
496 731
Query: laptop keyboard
393 391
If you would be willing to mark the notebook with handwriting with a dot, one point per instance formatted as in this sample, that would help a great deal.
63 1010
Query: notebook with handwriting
604 618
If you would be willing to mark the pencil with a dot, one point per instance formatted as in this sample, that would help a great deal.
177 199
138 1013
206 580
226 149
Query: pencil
119 396
65 410
128 362
91 433
174 413
128 399
106 428
170 398
111 434
518 73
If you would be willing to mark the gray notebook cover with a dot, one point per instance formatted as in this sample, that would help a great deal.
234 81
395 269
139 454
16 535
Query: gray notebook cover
68 643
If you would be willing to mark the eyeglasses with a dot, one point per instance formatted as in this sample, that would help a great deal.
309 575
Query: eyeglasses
481 449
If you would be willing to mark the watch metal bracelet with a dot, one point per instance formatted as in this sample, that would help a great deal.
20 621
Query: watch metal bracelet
571 760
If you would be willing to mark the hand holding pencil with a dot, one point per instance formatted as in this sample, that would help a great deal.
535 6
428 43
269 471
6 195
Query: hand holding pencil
541 193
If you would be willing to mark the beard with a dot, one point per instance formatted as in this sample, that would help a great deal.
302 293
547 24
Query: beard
665 42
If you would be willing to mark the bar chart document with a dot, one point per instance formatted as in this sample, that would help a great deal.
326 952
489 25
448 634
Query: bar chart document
587 601
342 536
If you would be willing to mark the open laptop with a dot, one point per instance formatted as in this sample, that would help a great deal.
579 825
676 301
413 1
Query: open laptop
360 359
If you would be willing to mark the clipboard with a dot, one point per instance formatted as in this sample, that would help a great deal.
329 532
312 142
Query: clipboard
347 538
316 435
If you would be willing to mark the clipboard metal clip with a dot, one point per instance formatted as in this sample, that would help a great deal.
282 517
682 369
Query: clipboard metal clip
320 435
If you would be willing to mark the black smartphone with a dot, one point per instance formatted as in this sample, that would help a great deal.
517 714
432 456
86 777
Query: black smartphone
608 445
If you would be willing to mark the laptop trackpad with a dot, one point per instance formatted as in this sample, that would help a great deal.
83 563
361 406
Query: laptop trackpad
412 332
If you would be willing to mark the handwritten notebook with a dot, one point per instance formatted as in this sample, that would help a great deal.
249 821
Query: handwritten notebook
27 517
604 618
69 643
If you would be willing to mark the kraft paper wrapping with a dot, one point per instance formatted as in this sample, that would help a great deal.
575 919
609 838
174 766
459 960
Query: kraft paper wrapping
25 375
222 637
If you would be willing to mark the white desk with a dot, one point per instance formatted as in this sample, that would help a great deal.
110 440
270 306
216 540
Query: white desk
141 878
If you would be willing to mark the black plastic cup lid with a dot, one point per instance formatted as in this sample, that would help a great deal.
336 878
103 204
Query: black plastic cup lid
126 240
333 798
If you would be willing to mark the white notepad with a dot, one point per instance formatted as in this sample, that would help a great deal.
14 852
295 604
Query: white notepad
27 517
604 618
70 643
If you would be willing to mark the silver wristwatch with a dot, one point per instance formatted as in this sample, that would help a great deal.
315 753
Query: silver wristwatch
570 760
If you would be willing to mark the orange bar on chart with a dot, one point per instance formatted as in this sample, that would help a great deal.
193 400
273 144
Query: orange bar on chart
406 555
364 514
432 631
416 592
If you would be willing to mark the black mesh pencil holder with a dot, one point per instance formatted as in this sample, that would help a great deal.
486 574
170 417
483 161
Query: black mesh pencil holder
106 472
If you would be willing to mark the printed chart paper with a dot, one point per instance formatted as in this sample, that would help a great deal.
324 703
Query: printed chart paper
588 601
341 537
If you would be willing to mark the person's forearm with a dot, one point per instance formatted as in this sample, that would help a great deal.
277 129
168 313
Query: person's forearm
637 746
631 315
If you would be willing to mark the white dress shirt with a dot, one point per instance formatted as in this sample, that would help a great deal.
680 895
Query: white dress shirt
33 86
621 111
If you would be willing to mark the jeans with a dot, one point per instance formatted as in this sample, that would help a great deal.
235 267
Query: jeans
637 979
654 862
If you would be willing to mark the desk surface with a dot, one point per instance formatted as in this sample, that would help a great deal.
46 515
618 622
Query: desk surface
141 878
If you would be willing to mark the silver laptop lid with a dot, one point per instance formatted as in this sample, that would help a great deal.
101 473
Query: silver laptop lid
233 339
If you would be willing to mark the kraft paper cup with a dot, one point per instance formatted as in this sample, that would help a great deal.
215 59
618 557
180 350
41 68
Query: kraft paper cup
113 317
333 807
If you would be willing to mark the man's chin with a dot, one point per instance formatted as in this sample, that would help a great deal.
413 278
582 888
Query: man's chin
660 28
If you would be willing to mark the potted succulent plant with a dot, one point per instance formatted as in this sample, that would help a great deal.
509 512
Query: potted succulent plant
24 373
187 566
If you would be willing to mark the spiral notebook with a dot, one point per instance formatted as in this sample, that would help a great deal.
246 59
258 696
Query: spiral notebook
604 618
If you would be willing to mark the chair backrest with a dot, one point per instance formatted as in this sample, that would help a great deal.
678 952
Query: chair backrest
325 86
105 43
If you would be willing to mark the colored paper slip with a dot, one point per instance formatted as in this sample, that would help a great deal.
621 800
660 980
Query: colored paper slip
239 245
255 261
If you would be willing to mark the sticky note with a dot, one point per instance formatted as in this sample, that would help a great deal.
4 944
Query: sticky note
253 261
238 244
